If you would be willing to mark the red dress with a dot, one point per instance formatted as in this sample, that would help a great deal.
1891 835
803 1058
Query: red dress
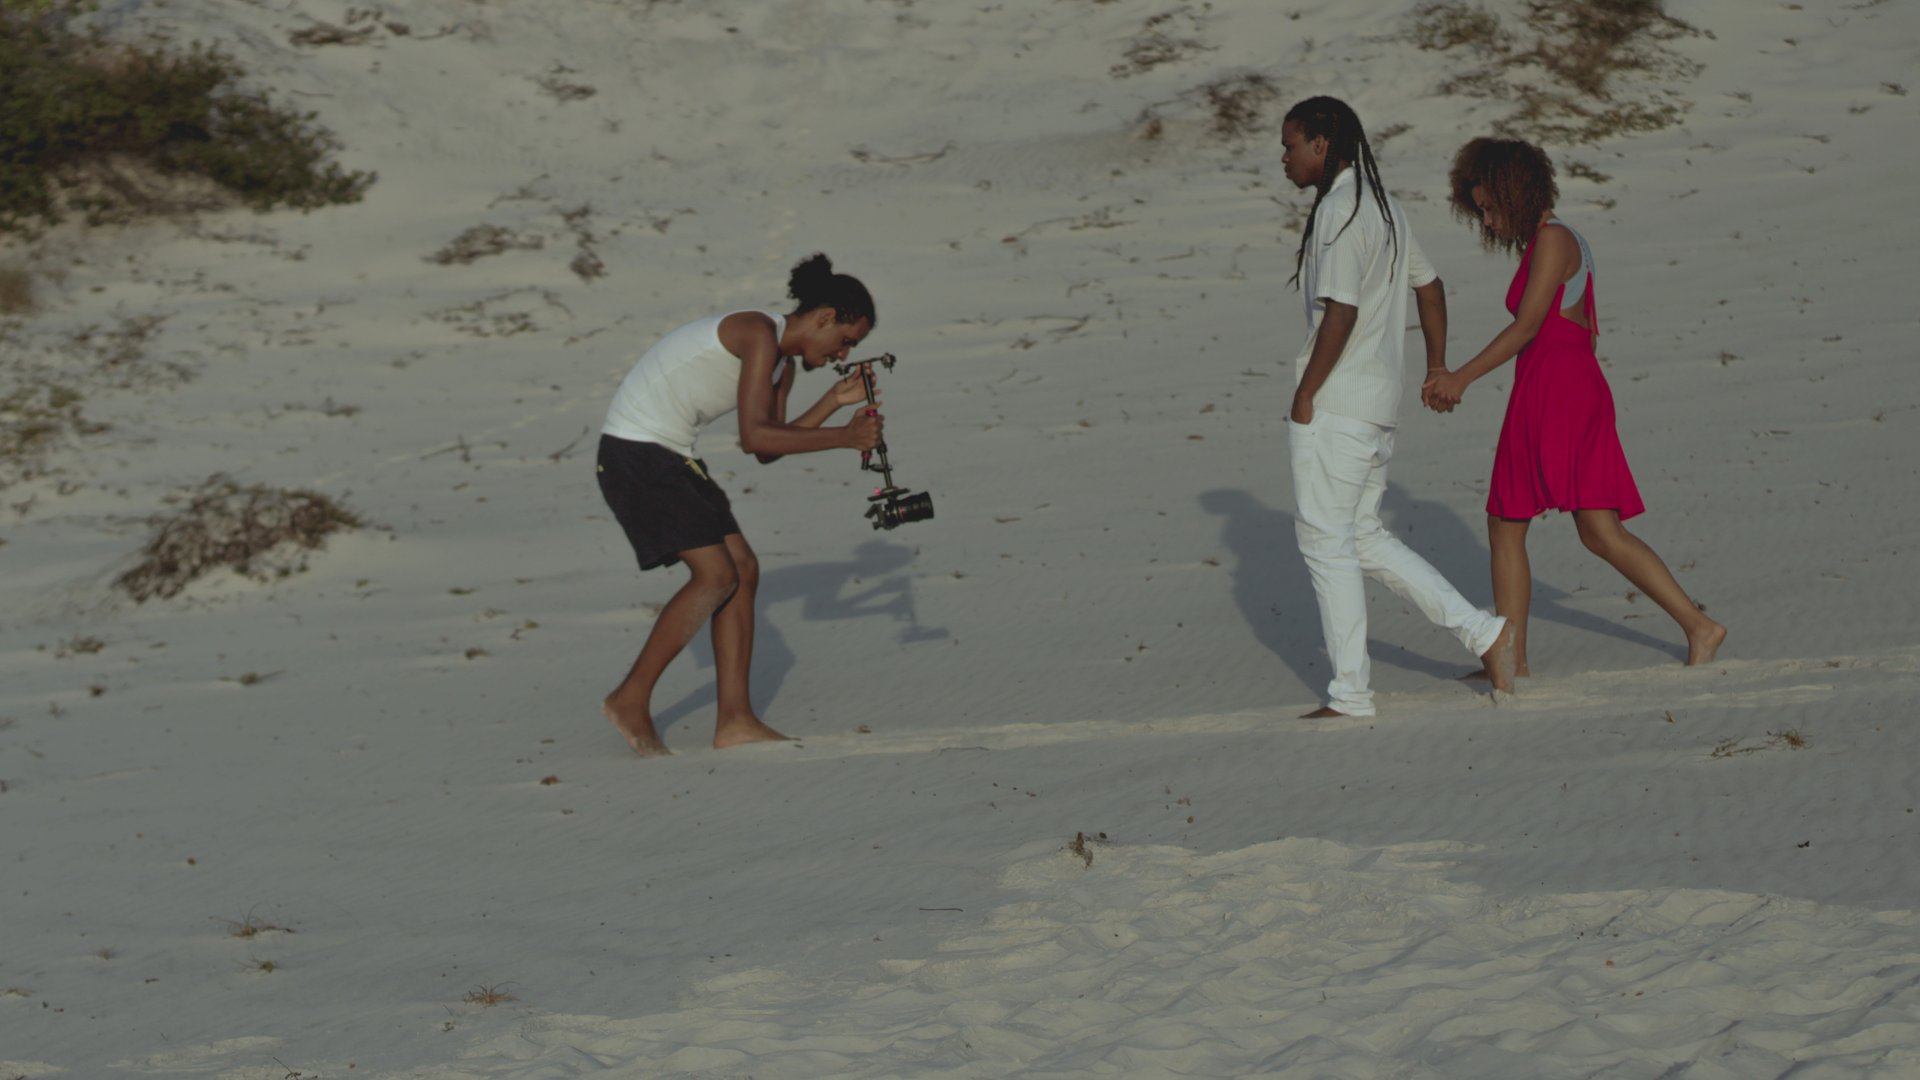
1558 448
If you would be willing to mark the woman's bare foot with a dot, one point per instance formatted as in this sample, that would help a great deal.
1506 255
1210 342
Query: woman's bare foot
742 729
1704 643
1480 674
636 727
1498 662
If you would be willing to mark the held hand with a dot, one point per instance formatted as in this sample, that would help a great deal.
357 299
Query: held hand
851 390
864 430
1443 390
1302 410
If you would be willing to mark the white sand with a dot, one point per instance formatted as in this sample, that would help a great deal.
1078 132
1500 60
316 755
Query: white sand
1107 629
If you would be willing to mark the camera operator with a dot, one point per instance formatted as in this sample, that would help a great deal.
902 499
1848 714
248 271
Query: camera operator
673 512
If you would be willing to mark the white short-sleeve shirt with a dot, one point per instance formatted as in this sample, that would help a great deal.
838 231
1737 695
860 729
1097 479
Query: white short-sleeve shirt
1357 262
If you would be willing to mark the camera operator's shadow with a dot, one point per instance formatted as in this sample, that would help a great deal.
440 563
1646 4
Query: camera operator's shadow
819 588
1275 595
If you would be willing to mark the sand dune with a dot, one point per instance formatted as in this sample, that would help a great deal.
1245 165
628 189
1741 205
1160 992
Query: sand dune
310 827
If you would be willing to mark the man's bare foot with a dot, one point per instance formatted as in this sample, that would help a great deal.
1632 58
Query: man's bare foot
636 727
1498 663
1322 713
743 729
1703 644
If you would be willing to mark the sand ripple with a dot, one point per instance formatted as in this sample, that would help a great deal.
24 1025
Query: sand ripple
1304 957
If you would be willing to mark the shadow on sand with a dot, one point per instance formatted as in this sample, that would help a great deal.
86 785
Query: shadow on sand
1275 596
880 588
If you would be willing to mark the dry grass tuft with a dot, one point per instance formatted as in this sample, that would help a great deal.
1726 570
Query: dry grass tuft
1079 845
1240 104
36 414
252 926
257 532
1235 107
1788 739
1578 71
79 645
481 241
487 995
1158 42
45 375
16 292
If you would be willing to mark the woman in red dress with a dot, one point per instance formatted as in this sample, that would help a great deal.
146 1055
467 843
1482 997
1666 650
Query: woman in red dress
1558 448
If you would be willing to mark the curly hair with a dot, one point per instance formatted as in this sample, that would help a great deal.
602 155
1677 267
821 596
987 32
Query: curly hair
813 284
1519 182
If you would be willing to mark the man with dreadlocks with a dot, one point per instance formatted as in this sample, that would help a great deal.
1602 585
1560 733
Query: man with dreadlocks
1357 262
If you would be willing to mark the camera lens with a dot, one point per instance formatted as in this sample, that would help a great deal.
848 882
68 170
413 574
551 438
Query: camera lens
898 511
917 507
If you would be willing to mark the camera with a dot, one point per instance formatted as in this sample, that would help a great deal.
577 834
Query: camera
892 509
890 506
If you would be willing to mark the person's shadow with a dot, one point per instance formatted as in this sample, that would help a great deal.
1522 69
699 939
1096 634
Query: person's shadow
1459 552
880 589
1270 583
1275 595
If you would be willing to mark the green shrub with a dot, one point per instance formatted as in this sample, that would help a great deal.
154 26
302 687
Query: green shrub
76 107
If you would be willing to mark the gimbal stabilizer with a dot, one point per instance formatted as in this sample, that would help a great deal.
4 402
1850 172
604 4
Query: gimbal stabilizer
892 505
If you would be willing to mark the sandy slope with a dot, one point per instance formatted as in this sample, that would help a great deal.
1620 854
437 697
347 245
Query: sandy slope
1106 630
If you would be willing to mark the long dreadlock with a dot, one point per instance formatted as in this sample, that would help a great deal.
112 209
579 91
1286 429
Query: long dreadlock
1335 120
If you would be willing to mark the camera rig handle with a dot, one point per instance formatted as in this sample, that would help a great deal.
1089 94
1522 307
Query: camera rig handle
890 505
865 368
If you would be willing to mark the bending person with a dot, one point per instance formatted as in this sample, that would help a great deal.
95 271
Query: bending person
673 512
1558 447
1359 261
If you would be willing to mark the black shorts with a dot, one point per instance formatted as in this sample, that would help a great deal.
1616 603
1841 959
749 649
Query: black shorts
666 503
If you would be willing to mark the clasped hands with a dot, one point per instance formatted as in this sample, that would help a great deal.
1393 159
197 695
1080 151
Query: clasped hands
1443 390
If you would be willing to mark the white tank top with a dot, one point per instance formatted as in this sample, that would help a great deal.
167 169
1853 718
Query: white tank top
686 380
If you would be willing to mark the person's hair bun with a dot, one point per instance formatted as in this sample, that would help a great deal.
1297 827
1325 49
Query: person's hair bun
812 277
813 284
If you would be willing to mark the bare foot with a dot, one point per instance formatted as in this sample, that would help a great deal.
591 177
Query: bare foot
636 727
743 729
1480 674
1497 663
1704 643
1322 713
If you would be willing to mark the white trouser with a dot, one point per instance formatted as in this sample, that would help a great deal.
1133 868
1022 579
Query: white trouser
1339 476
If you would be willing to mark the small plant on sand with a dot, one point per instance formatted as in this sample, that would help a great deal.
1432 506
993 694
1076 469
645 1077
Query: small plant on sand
16 292
112 129
481 241
488 996
1578 71
1079 845
79 644
252 926
36 414
1787 739
258 532
1240 104
1236 108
